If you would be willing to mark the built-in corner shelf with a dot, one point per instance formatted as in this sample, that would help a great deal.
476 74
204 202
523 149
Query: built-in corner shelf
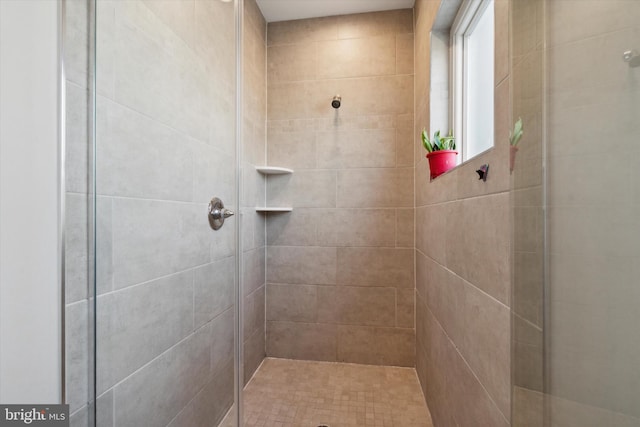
269 209
273 170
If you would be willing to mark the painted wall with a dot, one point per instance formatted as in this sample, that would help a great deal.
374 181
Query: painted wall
30 300
463 258
340 267
165 146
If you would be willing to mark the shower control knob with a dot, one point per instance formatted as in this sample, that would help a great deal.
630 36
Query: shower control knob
217 213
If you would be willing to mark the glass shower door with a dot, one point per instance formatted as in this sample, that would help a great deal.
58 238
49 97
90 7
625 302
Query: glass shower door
576 199
165 146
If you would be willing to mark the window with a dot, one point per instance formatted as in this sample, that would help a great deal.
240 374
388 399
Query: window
472 76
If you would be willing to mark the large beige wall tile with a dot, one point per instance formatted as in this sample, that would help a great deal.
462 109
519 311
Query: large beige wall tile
357 227
375 23
446 298
405 227
284 265
293 303
478 243
356 149
376 346
405 141
405 308
306 189
347 305
307 341
375 267
501 50
297 228
296 150
372 56
254 313
371 188
404 54
293 62
486 345
302 31
431 231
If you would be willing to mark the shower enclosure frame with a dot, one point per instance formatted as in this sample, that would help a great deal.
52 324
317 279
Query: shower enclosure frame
236 409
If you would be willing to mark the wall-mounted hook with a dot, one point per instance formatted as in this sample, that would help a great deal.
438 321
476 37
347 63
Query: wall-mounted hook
483 172
632 58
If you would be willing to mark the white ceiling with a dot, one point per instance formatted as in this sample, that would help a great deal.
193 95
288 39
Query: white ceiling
286 10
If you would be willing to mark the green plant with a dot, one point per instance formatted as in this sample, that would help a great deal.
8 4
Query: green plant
438 142
514 137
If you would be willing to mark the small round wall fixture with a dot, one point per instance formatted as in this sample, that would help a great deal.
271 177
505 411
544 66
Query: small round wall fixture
337 100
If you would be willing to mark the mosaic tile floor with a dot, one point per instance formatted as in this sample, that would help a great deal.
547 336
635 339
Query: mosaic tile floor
294 393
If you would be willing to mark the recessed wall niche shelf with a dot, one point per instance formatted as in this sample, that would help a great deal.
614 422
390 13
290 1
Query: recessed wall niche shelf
269 209
273 170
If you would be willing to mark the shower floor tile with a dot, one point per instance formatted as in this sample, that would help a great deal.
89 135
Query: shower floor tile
294 393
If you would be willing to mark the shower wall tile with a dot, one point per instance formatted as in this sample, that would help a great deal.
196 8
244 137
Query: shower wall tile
360 96
213 171
254 352
355 57
298 228
344 257
486 344
210 405
355 227
404 140
254 270
132 330
220 331
306 341
155 394
374 188
179 16
139 157
375 267
289 63
376 346
214 286
304 188
368 148
176 232
284 265
77 355
347 305
405 308
363 25
473 226
405 228
297 150
404 53
463 256
302 31
292 303
254 312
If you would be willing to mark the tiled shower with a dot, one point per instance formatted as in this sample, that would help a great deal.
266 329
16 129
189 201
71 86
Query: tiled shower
489 292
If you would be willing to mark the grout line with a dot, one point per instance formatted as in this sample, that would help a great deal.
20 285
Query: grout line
465 281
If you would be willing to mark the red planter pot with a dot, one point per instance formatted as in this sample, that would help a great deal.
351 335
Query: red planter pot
441 161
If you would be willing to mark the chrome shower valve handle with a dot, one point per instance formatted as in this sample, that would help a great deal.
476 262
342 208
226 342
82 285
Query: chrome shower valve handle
217 213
